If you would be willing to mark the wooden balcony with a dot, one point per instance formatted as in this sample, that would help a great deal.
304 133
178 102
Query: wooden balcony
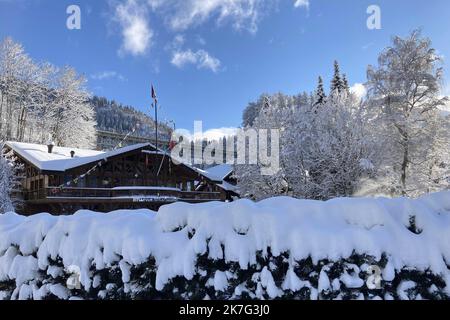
118 195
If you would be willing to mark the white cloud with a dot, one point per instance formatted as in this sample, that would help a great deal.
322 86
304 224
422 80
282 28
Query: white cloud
242 14
201 58
156 4
181 15
132 16
176 44
106 75
359 90
301 3
181 58
211 134
200 40
219 133
179 40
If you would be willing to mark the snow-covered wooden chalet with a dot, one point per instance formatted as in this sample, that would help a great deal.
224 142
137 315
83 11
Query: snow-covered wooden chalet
62 180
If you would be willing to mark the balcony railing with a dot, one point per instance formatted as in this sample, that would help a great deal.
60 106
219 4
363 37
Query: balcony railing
135 194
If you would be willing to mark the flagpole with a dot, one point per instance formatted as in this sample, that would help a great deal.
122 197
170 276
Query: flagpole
155 99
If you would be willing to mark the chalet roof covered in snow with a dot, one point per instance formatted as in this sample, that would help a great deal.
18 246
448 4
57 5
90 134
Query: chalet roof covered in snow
218 173
60 159
228 187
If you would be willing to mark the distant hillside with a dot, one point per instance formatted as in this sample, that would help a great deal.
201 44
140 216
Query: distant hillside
115 117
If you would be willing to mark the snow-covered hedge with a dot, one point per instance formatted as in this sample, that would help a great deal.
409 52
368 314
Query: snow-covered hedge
277 248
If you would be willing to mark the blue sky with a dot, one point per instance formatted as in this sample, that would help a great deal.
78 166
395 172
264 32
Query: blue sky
208 59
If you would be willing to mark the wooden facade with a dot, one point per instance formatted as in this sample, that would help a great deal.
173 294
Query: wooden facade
124 181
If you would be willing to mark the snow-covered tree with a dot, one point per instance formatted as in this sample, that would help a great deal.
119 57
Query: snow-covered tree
38 100
337 85
41 117
320 93
438 166
5 186
303 100
73 115
324 152
334 150
251 112
275 113
345 84
404 96
14 65
10 179
32 96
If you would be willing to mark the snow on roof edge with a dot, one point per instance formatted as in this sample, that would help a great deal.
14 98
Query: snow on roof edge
62 164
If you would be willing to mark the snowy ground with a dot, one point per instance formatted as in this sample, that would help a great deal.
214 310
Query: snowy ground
37 252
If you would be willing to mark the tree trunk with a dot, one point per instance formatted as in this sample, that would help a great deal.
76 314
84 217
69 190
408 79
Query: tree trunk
9 119
24 126
21 124
405 164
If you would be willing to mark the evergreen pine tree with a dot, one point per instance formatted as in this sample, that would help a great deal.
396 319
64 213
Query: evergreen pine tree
320 93
337 83
345 84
